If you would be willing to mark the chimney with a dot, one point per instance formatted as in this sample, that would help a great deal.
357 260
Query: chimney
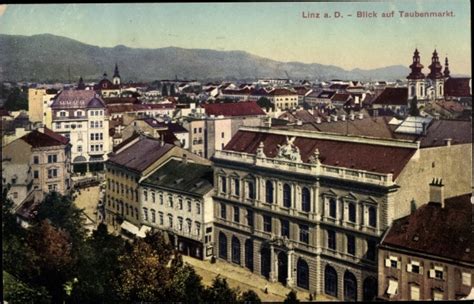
343 117
351 116
267 123
299 122
447 141
318 120
335 117
437 192
311 111
423 130
329 118
360 116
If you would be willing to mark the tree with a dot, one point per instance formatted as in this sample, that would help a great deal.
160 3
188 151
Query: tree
185 286
220 292
15 291
249 297
164 90
16 100
265 103
414 111
291 298
142 275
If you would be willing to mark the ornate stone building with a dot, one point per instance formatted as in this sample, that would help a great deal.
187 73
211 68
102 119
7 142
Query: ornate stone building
307 209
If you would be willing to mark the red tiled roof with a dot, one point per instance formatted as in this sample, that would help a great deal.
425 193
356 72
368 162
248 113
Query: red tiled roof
392 96
360 156
248 108
37 139
152 106
444 232
281 92
245 91
457 87
120 100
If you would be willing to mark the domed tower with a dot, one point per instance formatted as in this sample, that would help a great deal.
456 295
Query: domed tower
436 76
116 78
416 79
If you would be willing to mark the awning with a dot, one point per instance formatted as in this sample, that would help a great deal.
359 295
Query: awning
392 287
143 230
470 296
127 226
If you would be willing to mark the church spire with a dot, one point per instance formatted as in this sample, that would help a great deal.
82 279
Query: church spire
116 71
446 68
435 67
416 67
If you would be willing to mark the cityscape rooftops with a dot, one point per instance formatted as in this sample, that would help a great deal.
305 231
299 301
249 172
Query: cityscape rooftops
47 139
247 108
77 99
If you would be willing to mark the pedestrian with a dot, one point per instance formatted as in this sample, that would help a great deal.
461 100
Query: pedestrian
265 290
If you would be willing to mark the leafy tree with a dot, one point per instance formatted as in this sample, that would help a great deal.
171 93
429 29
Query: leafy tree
249 297
16 100
185 286
265 103
15 291
220 292
414 111
142 276
291 298
164 90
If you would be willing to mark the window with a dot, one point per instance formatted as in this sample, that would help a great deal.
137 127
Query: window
145 214
414 292
392 288
170 220
352 212
304 234
332 239
236 186
180 223
351 244
35 174
372 217
236 214
285 228
305 199
332 207
414 267
437 273
466 278
170 201
250 217
52 173
35 160
223 211
198 208
180 204
145 195
437 295
392 262
251 190
153 216
371 250
153 197
52 158
58 125
79 148
161 198
269 192
286 196
222 135
189 206
223 184
267 223
198 228
161 218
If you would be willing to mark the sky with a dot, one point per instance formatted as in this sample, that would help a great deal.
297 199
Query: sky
272 30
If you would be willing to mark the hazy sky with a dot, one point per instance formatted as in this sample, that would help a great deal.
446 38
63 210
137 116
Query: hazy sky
272 30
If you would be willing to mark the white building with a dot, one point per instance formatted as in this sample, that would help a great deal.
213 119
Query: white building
81 117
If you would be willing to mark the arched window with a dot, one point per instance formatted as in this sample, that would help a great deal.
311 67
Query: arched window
251 190
302 275
372 217
305 199
352 212
332 207
330 281
145 214
350 287
370 289
269 192
286 196
222 246
235 250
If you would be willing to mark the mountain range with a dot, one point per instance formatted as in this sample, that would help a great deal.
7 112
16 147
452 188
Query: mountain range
46 58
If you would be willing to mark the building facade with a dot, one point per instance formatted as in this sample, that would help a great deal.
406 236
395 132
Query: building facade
80 116
317 227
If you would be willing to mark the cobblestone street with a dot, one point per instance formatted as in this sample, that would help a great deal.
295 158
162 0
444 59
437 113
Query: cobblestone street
239 277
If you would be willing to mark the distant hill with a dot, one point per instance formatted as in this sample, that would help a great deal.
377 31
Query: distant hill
52 58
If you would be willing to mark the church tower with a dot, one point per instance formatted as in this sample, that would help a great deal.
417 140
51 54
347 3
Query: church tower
116 78
416 79
446 69
436 77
